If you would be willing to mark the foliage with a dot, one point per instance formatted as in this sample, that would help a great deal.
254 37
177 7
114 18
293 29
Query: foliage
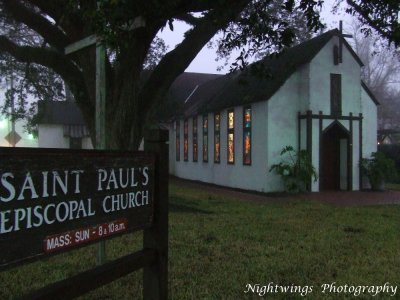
129 29
392 152
381 73
218 244
383 16
378 169
295 169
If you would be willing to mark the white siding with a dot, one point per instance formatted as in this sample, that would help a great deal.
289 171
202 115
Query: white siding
320 69
237 175
370 124
52 136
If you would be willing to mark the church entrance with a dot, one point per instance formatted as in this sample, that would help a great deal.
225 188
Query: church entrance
334 171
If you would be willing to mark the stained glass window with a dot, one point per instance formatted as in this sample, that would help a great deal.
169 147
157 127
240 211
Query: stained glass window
185 140
231 137
205 138
217 138
195 146
247 135
177 140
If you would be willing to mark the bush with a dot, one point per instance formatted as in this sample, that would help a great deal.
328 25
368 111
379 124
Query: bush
378 169
295 169
392 152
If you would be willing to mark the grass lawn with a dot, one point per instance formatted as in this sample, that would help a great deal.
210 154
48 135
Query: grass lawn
218 245
393 186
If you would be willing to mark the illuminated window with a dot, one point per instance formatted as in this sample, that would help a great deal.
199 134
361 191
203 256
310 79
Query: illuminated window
217 138
247 135
231 137
195 146
185 140
205 138
178 148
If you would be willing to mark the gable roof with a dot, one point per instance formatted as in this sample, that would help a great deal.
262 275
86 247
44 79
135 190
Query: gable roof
59 113
246 87
369 92
184 85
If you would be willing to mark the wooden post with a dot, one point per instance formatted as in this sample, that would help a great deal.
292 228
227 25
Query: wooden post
100 121
309 142
155 277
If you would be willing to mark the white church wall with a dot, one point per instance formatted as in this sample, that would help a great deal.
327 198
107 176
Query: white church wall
315 153
370 124
321 67
283 108
52 136
235 175
356 156
304 88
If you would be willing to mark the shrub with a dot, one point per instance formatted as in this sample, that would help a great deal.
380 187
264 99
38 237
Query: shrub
378 169
295 169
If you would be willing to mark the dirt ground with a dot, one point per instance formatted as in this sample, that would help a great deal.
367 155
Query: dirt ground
334 197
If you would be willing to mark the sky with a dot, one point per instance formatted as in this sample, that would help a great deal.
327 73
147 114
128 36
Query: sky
205 60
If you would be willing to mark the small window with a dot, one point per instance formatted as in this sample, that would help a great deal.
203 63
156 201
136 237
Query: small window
195 145
205 138
178 141
185 141
247 123
217 138
336 94
231 137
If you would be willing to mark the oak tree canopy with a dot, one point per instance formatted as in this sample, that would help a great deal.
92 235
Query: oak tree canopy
34 33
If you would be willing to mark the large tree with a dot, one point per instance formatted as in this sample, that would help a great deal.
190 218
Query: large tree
132 93
381 73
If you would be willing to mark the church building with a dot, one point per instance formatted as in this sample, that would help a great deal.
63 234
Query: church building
233 127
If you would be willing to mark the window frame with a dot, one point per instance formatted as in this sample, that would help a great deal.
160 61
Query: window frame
178 140
195 144
217 137
185 140
205 138
245 131
230 131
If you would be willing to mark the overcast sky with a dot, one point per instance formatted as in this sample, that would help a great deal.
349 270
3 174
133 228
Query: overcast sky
205 60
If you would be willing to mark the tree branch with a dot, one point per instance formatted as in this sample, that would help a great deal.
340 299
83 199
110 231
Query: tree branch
392 32
176 61
41 25
54 8
43 56
188 18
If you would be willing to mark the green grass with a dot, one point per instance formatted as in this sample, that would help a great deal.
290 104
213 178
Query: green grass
393 186
218 245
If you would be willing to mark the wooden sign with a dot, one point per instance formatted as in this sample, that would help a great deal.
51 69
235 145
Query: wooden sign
52 200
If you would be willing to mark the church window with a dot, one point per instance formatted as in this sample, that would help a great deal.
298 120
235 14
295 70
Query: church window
231 137
205 138
247 123
336 94
195 145
217 138
177 140
185 140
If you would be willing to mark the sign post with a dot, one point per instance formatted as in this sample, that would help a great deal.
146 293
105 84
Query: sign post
100 118
155 276
55 200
